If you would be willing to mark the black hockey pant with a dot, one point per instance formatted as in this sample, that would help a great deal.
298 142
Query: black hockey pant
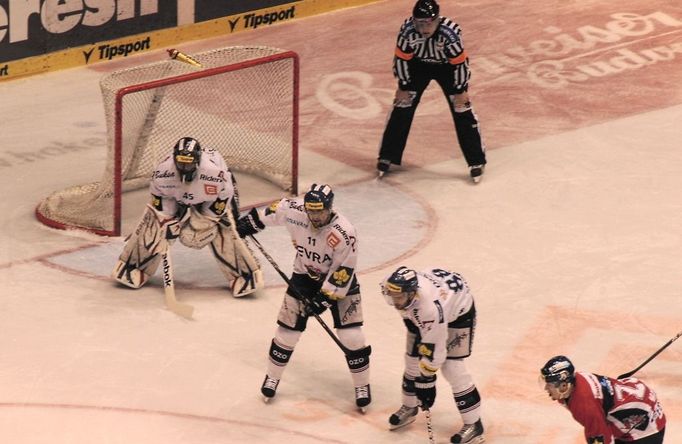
399 123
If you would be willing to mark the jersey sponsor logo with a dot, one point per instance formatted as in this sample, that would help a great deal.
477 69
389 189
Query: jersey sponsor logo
210 189
423 325
156 202
297 222
272 208
314 273
440 311
633 418
343 233
350 311
596 439
333 240
218 206
341 276
208 178
595 386
457 341
163 174
313 256
426 350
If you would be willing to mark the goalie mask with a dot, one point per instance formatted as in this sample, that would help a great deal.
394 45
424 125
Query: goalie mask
318 204
557 376
186 156
400 288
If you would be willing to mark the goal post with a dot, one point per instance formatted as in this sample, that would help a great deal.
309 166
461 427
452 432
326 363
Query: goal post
241 101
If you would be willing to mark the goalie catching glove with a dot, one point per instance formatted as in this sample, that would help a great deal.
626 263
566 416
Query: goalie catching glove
143 249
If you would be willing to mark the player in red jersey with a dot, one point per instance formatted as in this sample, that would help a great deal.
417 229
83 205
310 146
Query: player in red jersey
612 411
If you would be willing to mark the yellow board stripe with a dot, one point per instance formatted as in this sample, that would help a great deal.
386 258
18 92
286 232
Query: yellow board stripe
73 57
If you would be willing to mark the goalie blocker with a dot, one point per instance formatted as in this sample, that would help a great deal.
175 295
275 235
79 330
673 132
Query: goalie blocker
155 233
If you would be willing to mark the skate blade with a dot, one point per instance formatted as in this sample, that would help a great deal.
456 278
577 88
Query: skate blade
408 422
266 399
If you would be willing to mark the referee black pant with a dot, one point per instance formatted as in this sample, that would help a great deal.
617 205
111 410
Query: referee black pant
399 123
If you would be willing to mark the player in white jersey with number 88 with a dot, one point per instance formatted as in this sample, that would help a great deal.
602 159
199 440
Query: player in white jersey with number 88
439 313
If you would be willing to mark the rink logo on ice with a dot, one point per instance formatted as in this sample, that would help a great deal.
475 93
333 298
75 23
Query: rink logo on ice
625 43
10 159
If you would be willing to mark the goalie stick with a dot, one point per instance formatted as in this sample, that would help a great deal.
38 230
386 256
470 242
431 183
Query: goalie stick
184 310
632 372
364 351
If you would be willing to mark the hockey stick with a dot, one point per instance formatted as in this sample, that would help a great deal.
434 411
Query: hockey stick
180 309
632 372
364 351
429 425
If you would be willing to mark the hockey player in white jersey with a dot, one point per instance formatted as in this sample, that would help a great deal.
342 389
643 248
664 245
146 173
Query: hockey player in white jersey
194 197
439 313
324 274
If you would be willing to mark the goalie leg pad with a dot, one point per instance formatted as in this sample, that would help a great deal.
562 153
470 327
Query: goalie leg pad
235 259
141 254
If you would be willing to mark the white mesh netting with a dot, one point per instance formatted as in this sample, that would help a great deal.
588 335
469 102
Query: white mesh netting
240 102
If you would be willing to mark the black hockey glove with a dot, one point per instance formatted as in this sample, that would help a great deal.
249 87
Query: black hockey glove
425 389
249 224
318 304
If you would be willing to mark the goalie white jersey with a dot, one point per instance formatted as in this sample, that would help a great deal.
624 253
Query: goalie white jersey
442 297
211 190
328 253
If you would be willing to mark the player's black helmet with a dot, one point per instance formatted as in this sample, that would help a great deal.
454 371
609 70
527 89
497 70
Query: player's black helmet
187 155
400 288
426 9
403 280
319 197
558 369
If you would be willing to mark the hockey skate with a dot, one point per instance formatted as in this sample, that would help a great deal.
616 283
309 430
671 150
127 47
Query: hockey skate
476 172
469 434
269 388
382 167
404 416
363 397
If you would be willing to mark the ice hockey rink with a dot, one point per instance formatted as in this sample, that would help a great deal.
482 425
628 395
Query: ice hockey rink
571 243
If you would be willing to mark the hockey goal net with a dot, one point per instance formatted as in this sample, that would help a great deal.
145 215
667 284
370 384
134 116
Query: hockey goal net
241 101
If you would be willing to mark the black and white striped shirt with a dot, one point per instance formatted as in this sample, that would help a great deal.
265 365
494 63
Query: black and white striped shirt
444 47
